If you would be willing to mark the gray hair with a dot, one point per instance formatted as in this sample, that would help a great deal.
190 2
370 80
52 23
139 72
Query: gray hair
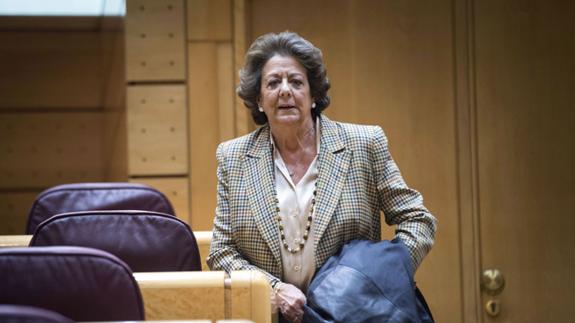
284 44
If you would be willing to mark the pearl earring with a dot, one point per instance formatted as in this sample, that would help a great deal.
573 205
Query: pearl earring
313 105
260 108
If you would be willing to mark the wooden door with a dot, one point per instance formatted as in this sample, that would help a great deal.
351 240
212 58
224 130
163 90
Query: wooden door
391 64
525 99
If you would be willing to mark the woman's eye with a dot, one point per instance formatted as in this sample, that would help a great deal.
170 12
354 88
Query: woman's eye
273 83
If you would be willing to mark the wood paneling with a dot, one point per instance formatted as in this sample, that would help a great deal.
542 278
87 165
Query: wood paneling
50 70
55 76
155 41
525 82
52 23
225 91
391 64
45 149
176 189
157 130
209 20
211 115
114 101
243 122
115 147
14 208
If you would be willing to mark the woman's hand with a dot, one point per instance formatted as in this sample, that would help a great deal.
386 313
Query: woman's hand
290 301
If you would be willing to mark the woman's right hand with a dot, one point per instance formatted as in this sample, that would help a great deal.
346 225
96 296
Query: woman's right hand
290 301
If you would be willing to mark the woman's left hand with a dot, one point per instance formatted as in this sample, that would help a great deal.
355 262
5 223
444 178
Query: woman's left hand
290 301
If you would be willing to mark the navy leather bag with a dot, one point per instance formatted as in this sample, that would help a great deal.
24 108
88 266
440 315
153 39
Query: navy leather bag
366 282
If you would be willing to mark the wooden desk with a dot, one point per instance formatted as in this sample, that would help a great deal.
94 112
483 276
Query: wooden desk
210 295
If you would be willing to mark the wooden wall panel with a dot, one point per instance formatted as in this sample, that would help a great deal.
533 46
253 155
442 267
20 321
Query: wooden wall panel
176 189
226 91
114 139
45 149
211 116
47 69
53 23
157 130
391 64
14 208
115 146
51 124
241 18
155 41
209 20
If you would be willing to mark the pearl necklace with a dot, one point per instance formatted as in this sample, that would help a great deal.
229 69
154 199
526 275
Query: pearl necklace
301 244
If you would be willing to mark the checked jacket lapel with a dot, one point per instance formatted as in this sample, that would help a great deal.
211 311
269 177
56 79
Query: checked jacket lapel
333 163
261 192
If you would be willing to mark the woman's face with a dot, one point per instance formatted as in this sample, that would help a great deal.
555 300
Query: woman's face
285 94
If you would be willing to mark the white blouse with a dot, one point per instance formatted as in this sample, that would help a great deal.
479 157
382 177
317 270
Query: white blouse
295 206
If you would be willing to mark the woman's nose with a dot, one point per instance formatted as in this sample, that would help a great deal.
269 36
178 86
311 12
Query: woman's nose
284 88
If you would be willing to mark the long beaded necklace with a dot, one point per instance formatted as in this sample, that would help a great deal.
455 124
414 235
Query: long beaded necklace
302 242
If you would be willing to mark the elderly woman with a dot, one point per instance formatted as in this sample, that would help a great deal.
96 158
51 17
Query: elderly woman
294 191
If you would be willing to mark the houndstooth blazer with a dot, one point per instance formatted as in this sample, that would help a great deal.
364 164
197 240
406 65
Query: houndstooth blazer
357 180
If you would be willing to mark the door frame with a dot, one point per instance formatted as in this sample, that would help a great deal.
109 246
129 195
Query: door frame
467 169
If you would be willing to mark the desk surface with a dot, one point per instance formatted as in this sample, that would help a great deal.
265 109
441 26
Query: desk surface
15 241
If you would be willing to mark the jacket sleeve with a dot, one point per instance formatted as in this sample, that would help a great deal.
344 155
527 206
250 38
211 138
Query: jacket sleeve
224 254
401 205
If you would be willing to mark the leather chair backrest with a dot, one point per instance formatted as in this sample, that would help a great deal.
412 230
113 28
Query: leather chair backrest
83 284
30 314
146 241
96 196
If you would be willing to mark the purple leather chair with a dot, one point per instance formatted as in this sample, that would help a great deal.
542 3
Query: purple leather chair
30 314
146 241
83 284
96 196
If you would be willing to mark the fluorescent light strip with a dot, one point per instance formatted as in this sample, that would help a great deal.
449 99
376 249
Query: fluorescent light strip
62 7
